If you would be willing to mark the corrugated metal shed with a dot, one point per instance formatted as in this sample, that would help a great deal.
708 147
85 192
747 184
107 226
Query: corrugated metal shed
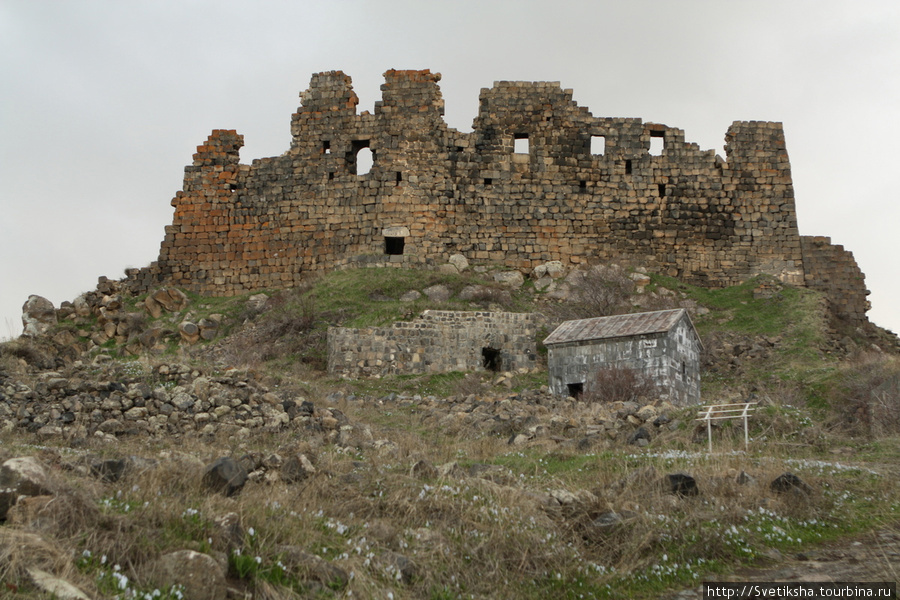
600 328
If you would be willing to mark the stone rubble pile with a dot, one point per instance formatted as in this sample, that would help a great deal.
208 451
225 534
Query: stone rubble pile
87 400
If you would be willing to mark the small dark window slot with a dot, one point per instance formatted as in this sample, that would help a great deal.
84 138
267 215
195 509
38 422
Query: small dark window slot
488 181
582 185
326 147
576 390
490 359
394 245
330 175
628 166
662 190
399 178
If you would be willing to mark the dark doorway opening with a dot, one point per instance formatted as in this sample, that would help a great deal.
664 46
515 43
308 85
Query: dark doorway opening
394 245
490 359
576 390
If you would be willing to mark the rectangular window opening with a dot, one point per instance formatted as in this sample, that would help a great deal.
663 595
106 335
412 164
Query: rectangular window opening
598 145
582 185
326 147
628 166
657 142
399 178
576 390
521 143
488 181
490 359
394 245
662 190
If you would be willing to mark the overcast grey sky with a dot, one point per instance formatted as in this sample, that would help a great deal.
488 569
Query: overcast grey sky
104 102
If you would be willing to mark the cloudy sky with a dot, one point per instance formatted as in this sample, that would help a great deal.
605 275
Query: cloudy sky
104 102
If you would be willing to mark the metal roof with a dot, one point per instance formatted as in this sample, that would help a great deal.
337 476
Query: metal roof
600 328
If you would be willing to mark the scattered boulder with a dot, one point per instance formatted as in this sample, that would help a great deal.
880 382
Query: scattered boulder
190 333
109 470
38 316
297 468
423 469
400 566
640 437
682 484
510 279
788 483
553 269
24 476
201 575
459 261
56 587
314 568
438 293
225 475
170 299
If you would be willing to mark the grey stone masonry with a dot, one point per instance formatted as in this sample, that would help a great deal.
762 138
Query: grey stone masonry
538 179
437 341
669 357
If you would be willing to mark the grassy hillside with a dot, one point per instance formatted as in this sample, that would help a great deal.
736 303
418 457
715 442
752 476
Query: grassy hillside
456 485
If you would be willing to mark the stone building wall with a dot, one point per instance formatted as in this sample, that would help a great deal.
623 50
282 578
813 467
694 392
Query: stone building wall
671 360
832 270
436 342
538 179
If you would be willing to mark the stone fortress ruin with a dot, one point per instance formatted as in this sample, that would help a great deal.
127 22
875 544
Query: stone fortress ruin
538 179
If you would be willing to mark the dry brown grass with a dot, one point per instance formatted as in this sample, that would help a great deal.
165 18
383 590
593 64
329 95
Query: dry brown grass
490 517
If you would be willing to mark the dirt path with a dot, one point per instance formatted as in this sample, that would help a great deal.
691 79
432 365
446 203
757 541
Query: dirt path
870 557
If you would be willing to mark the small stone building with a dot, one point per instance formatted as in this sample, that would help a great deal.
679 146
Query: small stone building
438 341
662 345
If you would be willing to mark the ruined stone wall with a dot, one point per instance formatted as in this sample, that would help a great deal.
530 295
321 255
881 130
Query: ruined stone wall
833 271
585 189
436 342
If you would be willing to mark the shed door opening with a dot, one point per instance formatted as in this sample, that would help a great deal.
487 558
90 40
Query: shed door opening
576 390
490 359
394 245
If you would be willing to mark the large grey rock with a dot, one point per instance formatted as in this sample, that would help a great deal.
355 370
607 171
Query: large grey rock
24 476
56 587
225 475
682 484
438 293
510 279
171 299
201 575
312 567
297 468
788 483
38 316
459 261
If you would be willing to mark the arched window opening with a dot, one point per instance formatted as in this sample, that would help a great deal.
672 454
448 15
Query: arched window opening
361 158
